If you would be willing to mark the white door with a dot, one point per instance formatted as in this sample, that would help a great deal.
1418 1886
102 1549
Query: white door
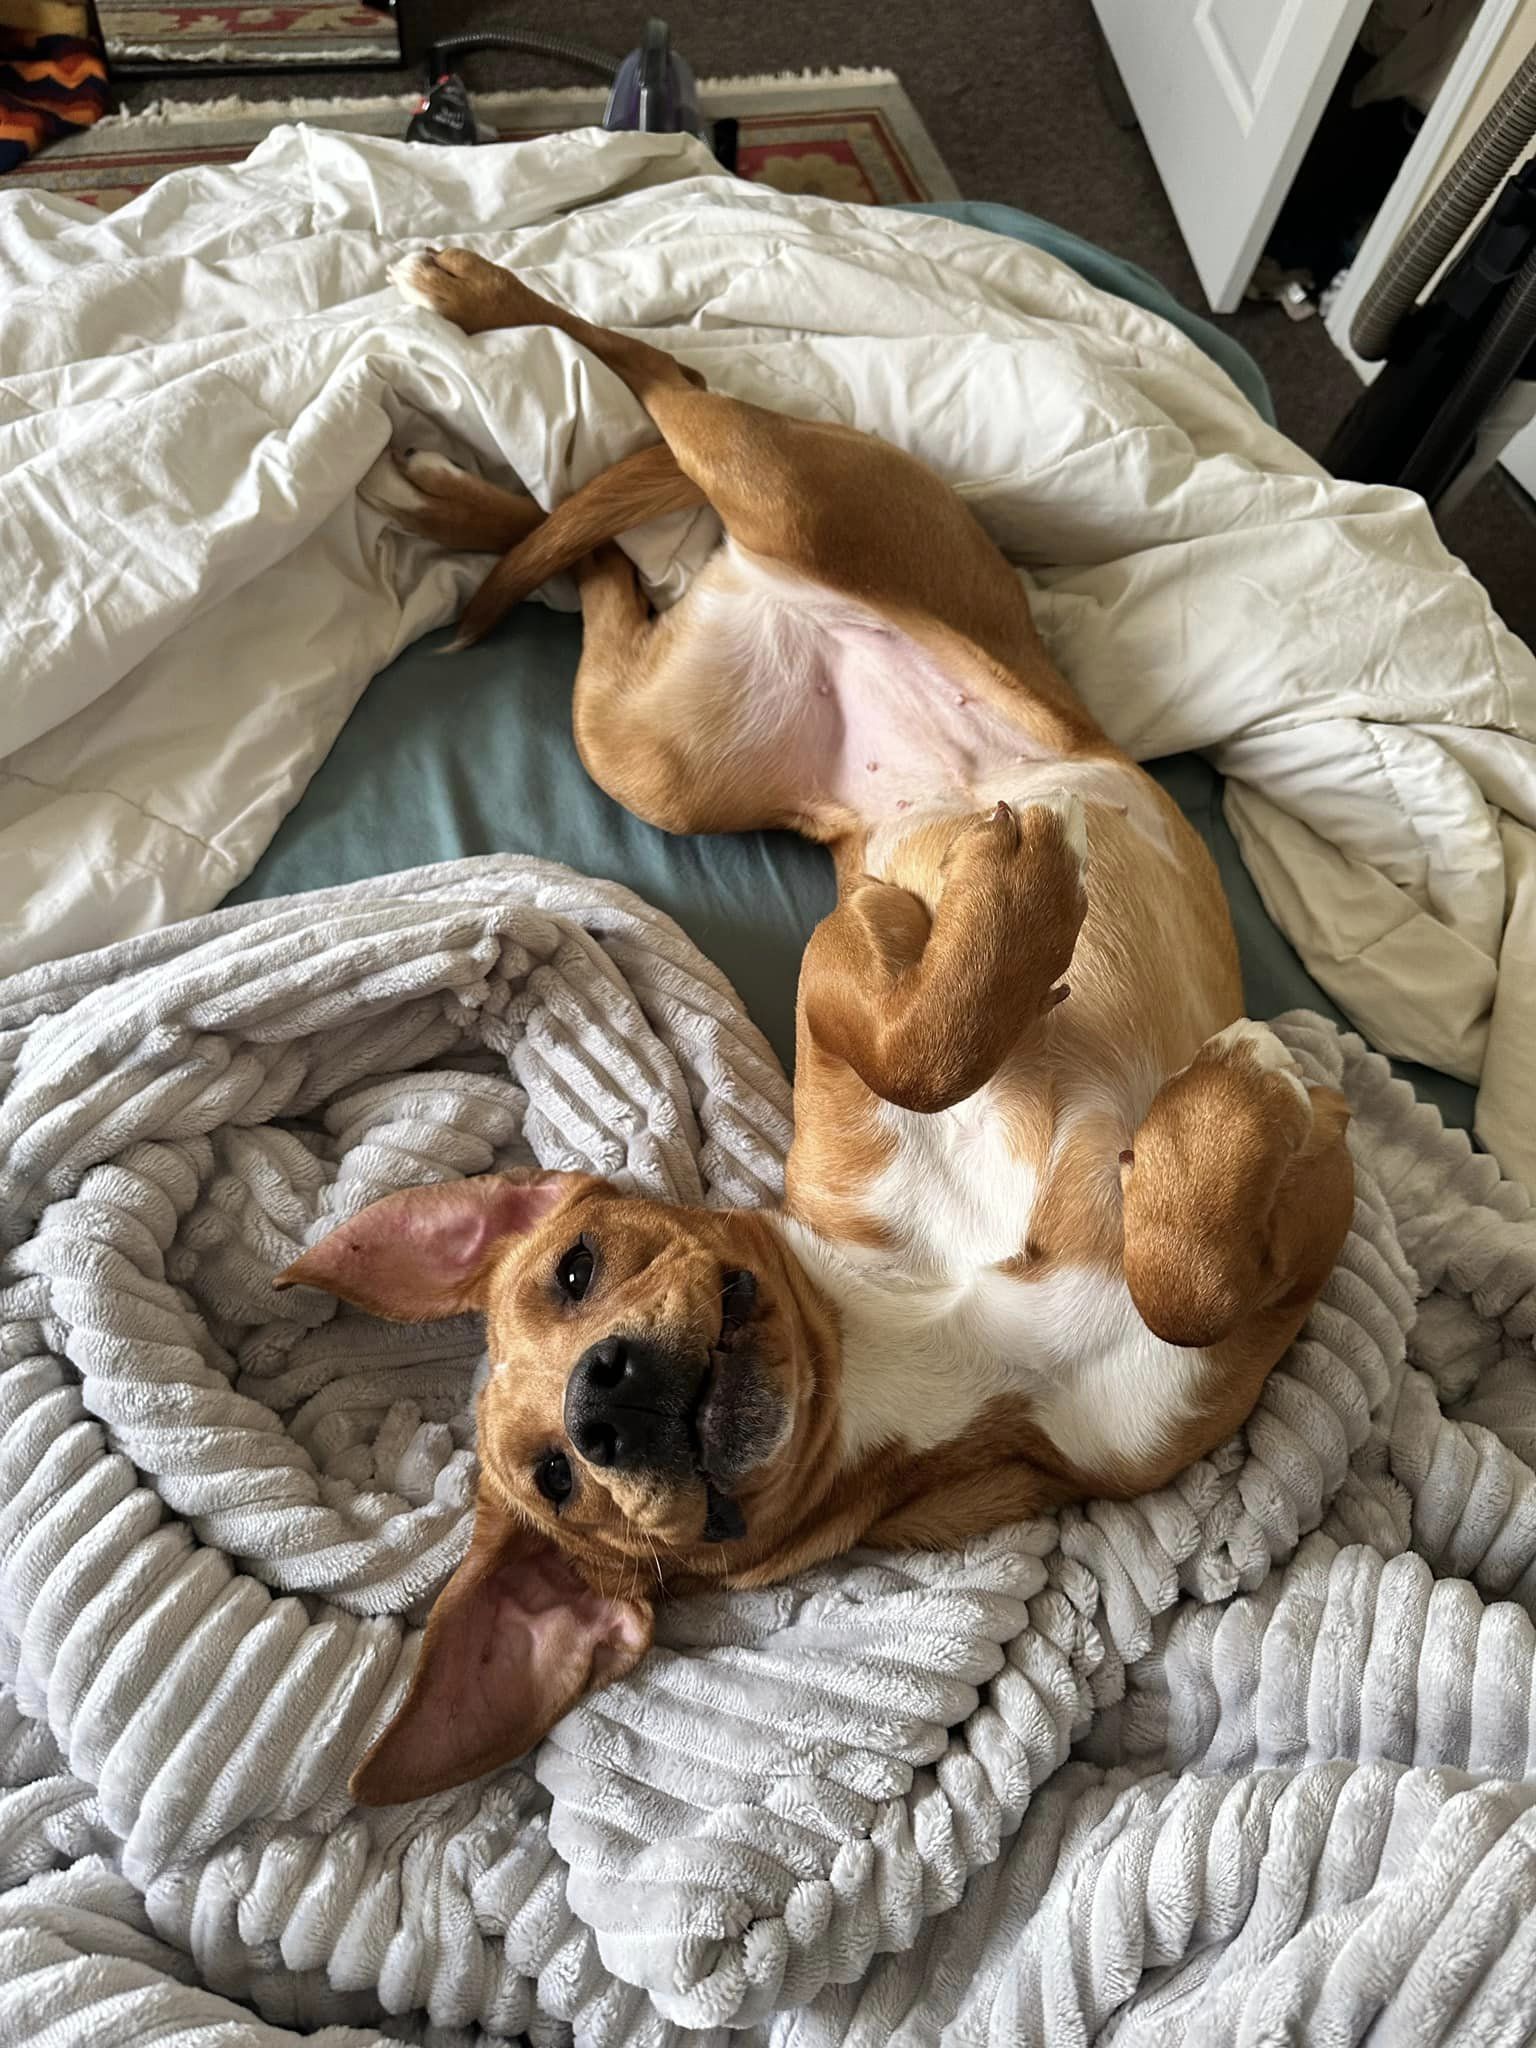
1228 93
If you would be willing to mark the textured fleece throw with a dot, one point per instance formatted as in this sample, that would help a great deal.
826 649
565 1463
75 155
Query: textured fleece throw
1247 1760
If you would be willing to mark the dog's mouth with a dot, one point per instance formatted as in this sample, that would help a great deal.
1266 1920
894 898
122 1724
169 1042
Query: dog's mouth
733 1417
717 1443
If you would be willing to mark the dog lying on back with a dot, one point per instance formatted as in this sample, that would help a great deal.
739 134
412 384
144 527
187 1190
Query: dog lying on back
1054 1207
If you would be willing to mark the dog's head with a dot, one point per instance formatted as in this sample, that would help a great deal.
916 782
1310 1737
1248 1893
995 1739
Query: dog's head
648 1415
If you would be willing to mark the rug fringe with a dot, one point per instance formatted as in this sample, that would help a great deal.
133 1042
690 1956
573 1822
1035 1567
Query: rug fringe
240 53
758 81
171 112
168 113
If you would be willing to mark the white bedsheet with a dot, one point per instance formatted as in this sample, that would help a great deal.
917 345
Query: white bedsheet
192 388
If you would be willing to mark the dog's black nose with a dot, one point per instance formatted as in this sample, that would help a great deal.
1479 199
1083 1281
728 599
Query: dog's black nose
626 1406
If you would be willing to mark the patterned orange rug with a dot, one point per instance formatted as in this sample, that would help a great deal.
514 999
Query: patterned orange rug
847 135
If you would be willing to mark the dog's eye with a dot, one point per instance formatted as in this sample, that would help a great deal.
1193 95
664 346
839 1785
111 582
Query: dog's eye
552 1476
573 1274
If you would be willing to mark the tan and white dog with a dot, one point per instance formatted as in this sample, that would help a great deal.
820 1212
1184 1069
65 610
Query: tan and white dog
1042 1239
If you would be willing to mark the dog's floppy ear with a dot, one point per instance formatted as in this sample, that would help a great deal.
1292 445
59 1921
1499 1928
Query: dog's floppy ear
515 1640
425 1252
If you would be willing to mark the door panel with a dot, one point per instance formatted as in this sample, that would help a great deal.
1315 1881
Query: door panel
1228 93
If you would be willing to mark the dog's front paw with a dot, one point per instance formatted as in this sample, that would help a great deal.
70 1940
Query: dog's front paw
1048 831
1017 874
1237 1119
1247 1045
1255 1062
1057 822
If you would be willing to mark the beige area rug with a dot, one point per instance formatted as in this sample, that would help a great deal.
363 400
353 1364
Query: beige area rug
842 135
320 32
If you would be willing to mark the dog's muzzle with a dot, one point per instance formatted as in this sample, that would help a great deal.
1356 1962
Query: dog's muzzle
629 1408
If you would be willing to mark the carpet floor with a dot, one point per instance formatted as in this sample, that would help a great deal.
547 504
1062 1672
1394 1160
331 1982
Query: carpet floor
1010 93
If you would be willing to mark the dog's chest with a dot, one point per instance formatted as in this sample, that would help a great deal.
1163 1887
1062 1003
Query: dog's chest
960 1188
950 1313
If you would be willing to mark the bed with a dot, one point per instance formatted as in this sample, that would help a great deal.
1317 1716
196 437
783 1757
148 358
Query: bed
1252 1756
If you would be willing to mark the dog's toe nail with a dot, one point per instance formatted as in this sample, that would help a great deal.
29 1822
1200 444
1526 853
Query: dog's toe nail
1059 994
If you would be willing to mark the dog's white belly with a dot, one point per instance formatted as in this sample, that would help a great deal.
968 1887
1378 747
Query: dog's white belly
860 713
854 711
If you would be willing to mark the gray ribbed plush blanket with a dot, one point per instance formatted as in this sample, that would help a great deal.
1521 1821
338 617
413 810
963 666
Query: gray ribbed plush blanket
1248 1760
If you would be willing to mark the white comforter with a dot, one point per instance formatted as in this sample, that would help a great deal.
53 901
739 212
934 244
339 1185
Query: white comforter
195 595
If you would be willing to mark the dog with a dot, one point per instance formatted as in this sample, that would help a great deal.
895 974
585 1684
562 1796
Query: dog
1054 1206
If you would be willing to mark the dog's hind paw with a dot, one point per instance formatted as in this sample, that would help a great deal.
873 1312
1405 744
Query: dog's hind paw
407 487
465 288
418 279
388 489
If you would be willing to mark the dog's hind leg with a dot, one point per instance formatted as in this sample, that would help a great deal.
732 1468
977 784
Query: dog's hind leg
650 707
656 713
430 495
427 494
813 498
481 297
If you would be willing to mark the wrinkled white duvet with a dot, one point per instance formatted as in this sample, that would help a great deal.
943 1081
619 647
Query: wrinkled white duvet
195 596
